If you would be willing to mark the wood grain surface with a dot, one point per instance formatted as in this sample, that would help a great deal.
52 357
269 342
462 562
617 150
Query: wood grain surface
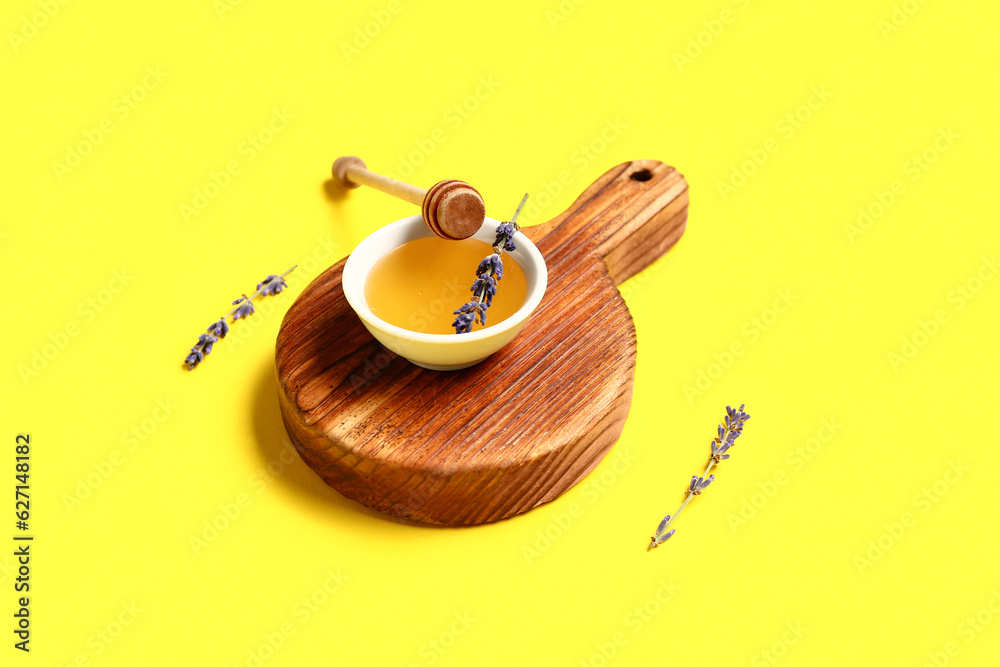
517 430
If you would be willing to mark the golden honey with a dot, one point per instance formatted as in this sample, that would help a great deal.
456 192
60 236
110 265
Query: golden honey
419 285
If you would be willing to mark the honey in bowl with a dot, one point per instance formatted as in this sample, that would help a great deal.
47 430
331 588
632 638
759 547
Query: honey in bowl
419 285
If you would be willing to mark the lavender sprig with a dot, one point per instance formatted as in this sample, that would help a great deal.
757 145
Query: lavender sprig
731 429
489 272
244 308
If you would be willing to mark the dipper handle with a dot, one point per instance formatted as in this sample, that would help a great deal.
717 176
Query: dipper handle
352 172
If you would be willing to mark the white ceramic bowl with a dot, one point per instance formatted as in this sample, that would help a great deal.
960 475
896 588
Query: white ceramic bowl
441 352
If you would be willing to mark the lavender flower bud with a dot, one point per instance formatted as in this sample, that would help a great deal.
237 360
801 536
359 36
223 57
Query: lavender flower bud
194 358
505 235
699 484
205 341
485 285
245 308
657 541
219 329
466 317
271 285
736 418
491 265
719 452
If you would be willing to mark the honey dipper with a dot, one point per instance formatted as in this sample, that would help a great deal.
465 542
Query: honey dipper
452 209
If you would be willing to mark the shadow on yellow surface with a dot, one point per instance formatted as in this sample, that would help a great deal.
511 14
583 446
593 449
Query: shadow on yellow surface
284 467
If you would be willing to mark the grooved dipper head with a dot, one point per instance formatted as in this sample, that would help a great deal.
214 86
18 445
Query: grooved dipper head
454 210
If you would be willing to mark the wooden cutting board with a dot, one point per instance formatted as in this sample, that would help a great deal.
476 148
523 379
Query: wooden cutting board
517 430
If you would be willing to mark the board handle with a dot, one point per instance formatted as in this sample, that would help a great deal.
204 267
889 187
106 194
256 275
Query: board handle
629 217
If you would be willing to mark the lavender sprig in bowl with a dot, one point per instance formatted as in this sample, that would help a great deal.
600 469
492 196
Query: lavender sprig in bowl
490 272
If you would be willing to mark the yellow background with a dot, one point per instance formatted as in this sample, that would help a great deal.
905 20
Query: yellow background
823 549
